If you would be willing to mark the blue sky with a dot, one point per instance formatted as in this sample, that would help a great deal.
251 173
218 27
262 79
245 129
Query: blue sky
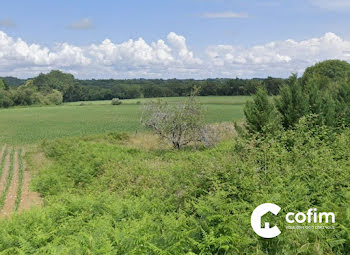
214 38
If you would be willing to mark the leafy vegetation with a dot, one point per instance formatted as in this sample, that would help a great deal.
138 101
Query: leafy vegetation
105 197
261 115
178 124
323 91
28 95
329 70
116 101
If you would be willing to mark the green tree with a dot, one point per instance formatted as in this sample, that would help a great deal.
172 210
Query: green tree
2 85
273 85
342 107
292 103
260 114
5 96
54 80
321 102
178 124
55 97
333 70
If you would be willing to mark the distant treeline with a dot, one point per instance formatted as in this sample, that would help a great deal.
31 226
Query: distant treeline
125 89
57 87
15 91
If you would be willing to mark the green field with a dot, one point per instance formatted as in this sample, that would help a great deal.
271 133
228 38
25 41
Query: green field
229 100
32 124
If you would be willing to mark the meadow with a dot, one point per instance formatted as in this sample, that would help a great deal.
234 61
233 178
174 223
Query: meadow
28 125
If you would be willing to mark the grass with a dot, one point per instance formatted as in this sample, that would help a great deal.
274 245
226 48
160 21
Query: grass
32 124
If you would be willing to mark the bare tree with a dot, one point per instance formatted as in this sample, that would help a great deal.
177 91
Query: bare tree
179 123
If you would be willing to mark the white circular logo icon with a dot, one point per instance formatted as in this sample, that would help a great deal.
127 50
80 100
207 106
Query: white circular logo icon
255 220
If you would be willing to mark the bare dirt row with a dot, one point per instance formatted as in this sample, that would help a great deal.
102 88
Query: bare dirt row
15 194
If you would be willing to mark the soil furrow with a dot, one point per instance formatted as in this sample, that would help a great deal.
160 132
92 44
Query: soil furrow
28 198
9 204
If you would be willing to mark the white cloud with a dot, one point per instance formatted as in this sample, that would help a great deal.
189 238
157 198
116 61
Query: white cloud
332 4
16 54
7 23
84 24
279 58
168 58
136 53
179 45
225 15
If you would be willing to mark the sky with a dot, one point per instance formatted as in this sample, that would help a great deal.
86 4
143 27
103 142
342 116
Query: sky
171 39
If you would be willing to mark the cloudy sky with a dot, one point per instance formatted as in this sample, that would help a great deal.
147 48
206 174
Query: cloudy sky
171 39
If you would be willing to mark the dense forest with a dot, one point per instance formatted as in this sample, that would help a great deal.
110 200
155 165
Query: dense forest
57 87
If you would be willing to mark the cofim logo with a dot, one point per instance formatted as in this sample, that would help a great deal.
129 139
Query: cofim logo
270 232
255 220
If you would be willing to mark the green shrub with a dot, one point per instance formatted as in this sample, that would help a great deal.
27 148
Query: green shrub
55 97
5 99
116 101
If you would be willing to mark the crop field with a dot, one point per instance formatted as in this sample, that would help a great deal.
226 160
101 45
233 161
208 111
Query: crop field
14 182
229 100
32 124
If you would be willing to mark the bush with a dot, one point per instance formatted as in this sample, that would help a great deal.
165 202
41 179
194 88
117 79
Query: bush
55 97
116 101
210 136
5 99
180 124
